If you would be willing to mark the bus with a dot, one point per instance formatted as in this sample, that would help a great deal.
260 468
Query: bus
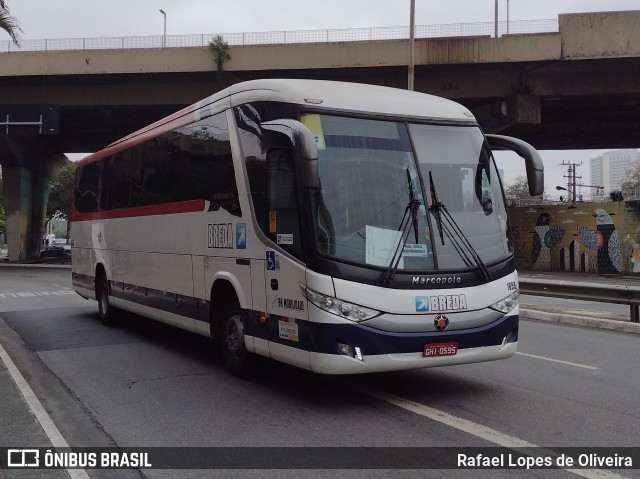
338 227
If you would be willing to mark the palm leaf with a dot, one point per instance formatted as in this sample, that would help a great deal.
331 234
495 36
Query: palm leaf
9 24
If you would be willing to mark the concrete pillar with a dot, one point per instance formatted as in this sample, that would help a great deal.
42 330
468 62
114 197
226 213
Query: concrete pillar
516 109
26 194
28 165
524 108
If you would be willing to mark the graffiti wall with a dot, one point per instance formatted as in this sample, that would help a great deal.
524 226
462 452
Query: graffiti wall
601 238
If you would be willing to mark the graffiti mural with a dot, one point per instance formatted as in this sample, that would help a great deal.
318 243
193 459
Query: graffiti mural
604 240
599 238
544 239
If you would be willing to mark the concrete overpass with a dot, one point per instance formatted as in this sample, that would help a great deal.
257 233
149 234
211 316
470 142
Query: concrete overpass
576 88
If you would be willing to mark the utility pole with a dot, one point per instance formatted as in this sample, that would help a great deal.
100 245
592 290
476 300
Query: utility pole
571 179
412 29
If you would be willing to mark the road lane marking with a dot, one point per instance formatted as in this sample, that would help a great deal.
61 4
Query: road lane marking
31 294
577 365
478 430
50 429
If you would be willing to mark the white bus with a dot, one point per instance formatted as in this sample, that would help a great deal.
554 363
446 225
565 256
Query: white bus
338 227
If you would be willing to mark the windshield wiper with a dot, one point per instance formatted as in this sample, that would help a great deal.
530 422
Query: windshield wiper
447 224
410 217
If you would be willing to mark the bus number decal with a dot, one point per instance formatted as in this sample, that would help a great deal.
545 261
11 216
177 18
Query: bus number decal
220 236
288 331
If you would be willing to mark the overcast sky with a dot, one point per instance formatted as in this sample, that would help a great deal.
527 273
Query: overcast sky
89 18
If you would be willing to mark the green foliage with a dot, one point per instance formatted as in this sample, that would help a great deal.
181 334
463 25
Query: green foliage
61 194
221 50
9 24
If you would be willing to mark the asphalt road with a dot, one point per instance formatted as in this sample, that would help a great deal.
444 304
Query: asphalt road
571 304
147 384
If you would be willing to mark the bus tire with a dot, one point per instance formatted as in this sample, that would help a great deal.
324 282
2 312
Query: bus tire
107 313
237 359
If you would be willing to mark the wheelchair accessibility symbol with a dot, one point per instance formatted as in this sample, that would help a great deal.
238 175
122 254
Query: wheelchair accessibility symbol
271 260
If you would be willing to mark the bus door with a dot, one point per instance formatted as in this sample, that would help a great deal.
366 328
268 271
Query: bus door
284 273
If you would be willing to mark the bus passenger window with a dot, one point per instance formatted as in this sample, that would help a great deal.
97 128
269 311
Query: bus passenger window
87 191
283 222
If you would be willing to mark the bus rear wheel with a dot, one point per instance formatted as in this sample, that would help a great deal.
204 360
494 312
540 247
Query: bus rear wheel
236 357
107 313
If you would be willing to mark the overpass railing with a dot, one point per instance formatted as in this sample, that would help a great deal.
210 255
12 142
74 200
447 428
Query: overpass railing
284 37
585 291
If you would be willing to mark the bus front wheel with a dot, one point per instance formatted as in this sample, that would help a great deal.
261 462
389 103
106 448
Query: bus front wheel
236 357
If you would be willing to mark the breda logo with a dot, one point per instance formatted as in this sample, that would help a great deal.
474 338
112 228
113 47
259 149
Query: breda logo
220 236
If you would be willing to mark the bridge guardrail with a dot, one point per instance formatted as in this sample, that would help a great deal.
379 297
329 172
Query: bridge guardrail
586 291
283 37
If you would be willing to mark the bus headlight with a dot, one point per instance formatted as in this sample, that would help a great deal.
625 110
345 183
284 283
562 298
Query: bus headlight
353 312
507 304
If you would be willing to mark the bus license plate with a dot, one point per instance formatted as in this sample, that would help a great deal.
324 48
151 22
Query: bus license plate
440 349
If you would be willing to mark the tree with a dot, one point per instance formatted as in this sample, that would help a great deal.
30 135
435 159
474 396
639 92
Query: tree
221 51
518 189
9 24
61 194
632 183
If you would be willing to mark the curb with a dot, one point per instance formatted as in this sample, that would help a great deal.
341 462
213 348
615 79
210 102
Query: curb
608 324
34 265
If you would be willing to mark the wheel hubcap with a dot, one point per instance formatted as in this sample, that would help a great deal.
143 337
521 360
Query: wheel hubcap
234 338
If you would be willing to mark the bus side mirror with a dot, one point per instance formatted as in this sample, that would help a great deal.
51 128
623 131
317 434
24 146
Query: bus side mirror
533 161
305 145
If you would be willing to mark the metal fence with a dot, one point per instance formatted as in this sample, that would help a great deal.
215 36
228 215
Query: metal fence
627 195
284 37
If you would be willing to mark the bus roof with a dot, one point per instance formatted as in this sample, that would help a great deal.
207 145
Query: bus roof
341 96
356 97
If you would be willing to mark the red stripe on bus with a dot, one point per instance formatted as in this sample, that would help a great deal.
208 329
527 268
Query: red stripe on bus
190 206
181 118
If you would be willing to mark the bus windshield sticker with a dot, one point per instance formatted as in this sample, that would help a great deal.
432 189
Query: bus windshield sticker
415 250
285 238
381 244
241 236
272 222
315 126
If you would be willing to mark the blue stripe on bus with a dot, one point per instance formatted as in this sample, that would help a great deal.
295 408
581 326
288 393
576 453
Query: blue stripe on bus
324 337
182 305
316 337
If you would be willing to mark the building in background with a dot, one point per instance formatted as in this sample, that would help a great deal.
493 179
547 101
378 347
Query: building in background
611 168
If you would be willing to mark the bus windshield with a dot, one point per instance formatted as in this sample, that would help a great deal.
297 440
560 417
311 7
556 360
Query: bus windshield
368 173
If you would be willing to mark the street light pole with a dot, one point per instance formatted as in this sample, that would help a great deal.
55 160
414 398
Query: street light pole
164 36
496 29
412 27
561 188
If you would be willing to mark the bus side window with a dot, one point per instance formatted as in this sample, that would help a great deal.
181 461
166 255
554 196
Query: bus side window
87 191
283 221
